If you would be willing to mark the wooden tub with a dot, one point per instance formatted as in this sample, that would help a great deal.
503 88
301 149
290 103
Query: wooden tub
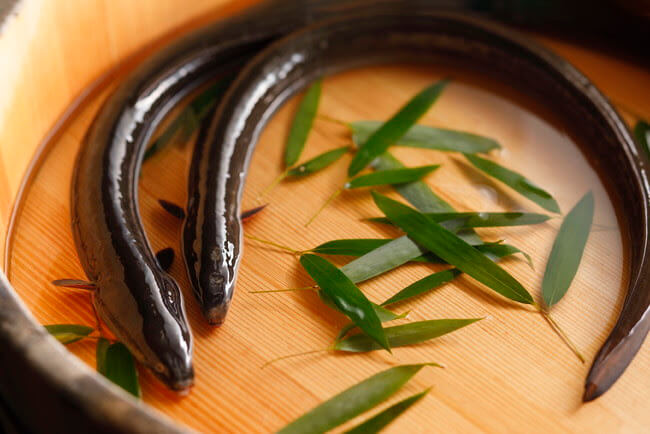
52 51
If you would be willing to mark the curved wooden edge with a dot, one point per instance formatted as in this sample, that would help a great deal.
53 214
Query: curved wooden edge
51 390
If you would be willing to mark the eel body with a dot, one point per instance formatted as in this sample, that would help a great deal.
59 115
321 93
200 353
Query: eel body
332 36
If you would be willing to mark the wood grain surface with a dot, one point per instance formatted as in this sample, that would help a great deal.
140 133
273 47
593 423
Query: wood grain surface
507 373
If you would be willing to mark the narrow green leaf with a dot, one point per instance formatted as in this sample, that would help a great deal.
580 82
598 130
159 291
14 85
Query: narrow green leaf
318 163
452 249
115 362
68 333
353 401
302 123
363 246
377 256
382 259
392 131
383 314
403 335
385 417
466 220
190 117
345 295
349 247
515 181
417 193
567 250
642 135
420 195
423 285
390 177
422 136
494 251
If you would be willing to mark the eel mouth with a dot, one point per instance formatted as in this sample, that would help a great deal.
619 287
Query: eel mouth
215 316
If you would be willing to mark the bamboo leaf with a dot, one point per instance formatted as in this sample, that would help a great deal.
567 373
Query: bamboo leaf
302 123
390 177
318 163
382 259
494 251
345 295
417 193
403 335
423 285
422 136
567 250
68 333
384 418
390 254
349 247
353 401
515 181
452 249
115 362
392 131
420 195
642 135
190 118
466 220
363 246
383 314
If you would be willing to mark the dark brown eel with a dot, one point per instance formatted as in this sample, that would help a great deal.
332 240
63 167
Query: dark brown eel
348 34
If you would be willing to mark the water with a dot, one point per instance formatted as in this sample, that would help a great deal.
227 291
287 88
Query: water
230 384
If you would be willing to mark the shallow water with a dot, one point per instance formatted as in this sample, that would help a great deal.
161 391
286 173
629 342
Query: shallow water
232 392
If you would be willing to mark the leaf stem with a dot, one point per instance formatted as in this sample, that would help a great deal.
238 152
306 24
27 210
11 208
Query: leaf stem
561 333
327 202
271 243
277 359
333 120
273 184
270 291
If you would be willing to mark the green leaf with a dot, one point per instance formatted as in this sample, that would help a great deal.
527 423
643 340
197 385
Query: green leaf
349 247
115 362
515 181
567 250
496 251
385 417
466 220
68 333
190 117
383 314
346 296
423 285
353 401
302 123
417 193
392 131
422 136
642 135
403 335
384 258
390 177
420 195
452 249
319 162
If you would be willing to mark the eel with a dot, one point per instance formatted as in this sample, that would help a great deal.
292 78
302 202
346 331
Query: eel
335 36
